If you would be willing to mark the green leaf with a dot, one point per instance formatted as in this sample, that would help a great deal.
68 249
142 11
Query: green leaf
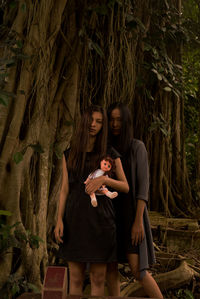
33 287
18 157
5 213
19 43
58 153
15 224
191 145
34 241
159 76
37 148
20 236
167 88
23 7
189 294
164 131
97 48
4 100
149 96
155 71
69 123
129 18
22 92
13 4
147 47
15 289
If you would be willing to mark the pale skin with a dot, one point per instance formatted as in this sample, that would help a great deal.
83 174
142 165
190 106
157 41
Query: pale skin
77 269
137 234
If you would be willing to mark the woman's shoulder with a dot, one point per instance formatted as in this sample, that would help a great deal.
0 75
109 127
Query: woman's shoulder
112 152
137 144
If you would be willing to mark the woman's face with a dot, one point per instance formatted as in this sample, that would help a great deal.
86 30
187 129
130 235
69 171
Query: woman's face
96 123
115 122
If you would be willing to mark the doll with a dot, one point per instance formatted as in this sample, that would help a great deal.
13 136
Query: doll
106 166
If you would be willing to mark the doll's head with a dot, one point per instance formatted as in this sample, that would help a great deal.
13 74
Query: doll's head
107 164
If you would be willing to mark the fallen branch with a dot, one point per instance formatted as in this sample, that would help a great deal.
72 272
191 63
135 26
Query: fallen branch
169 280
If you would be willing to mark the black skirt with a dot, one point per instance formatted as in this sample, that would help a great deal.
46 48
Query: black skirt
89 232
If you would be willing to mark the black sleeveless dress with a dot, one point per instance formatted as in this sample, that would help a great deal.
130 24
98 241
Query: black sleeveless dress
89 232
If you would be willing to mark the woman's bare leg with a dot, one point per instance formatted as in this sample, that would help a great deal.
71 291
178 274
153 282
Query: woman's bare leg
112 278
77 274
97 278
149 284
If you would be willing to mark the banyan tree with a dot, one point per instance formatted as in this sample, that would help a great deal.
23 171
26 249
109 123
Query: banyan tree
58 57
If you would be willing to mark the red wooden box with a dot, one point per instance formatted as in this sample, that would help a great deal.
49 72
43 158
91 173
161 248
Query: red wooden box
55 283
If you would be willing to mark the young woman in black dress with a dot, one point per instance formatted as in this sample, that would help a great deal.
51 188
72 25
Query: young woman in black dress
87 234
133 228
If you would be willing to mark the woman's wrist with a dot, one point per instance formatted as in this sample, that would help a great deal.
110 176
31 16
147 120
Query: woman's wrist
59 218
104 180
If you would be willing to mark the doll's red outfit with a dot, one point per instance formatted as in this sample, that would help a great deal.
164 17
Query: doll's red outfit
89 233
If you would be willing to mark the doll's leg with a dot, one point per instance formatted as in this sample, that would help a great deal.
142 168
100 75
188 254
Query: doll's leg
110 194
93 200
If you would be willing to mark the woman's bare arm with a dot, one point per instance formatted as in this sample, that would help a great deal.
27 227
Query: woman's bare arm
120 184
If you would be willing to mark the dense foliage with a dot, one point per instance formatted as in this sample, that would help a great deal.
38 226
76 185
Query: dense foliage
191 83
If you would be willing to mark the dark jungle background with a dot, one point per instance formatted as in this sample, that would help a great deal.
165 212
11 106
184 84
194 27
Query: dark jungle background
56 58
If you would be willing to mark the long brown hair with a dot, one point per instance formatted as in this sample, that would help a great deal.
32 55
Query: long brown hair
80 139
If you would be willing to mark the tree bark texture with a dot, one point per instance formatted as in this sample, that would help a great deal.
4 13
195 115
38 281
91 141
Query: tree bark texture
38 116
81 52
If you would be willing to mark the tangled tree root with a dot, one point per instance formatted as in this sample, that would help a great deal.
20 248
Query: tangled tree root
182 275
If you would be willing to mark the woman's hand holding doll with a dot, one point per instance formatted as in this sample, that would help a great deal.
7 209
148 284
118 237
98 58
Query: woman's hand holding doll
92 185
96 181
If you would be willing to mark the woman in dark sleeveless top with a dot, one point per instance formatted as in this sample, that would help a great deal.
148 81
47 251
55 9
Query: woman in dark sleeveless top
87 234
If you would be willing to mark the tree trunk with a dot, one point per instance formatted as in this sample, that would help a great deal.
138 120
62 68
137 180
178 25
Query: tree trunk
38 116
83 52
